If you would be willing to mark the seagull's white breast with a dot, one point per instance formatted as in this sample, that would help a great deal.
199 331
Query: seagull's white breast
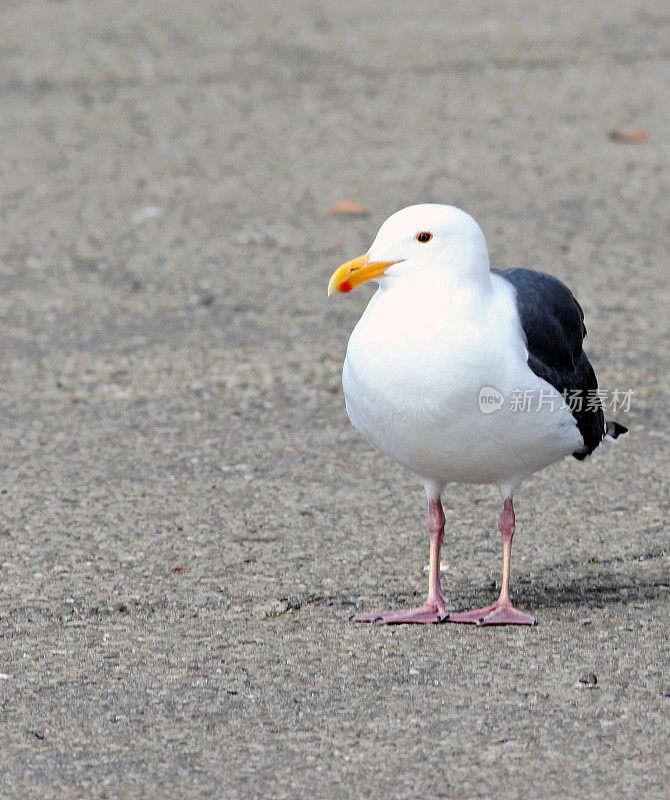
416 363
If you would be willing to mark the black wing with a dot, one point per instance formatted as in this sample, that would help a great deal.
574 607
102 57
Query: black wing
553 322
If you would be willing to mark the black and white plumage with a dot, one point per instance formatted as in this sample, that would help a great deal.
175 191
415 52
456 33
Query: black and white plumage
441 329
553 323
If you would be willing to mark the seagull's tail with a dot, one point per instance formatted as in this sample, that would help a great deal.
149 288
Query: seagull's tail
613 430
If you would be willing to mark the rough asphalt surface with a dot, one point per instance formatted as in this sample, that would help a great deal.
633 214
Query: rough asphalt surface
188 520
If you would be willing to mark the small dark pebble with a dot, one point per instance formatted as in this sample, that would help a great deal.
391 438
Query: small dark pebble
588 679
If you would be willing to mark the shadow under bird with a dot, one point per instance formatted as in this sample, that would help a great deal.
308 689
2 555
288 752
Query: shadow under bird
442 339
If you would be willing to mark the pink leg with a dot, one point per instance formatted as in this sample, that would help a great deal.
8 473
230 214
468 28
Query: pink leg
502 612
433 610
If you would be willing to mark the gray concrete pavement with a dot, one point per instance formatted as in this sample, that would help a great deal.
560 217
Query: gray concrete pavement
187 520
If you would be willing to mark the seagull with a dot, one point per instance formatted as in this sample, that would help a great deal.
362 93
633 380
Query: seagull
467 374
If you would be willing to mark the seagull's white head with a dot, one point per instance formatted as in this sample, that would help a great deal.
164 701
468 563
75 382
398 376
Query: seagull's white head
422 239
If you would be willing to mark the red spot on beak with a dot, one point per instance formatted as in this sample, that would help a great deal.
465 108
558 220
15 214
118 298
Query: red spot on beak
345 286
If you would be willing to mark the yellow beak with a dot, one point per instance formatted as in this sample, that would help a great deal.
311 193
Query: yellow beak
355 272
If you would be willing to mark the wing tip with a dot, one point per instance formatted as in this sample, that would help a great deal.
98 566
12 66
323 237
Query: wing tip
613 430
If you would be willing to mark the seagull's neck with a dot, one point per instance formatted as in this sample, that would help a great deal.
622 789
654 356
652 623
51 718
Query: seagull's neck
465 271
421 306
466 263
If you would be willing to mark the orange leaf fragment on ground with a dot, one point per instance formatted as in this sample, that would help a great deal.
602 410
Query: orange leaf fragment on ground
628 136
347 207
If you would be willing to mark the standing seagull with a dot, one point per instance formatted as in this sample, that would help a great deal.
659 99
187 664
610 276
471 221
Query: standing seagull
442 335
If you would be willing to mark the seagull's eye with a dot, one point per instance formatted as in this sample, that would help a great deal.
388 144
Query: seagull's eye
424 236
